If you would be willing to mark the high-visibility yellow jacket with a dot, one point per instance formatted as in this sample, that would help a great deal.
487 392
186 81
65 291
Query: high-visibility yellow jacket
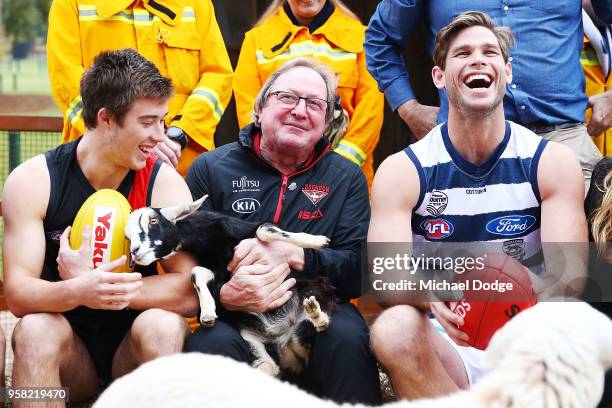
596 83
337 43
181 37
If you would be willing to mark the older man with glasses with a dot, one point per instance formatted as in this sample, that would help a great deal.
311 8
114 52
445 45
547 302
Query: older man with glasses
281 170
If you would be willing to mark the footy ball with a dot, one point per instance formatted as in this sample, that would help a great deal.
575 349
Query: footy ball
496 294
106 212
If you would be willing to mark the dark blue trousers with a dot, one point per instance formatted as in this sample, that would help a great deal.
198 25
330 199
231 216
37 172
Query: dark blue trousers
341 366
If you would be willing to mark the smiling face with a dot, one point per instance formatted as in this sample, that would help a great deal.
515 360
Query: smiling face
306 10
475 75
293 131
141 129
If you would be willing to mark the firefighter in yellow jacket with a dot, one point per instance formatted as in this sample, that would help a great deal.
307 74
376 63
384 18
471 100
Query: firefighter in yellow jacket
327 30
181 37
596 61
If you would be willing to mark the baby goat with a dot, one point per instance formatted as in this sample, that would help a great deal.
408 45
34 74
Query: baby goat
286 332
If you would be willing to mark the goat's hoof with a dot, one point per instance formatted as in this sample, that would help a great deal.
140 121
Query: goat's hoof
268 367
312 307
319 319
207 319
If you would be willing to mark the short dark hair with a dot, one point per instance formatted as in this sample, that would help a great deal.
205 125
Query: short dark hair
115 80
465 20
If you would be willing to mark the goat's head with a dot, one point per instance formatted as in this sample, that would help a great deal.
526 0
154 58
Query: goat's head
153 233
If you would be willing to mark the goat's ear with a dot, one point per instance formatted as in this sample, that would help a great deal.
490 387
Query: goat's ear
177 213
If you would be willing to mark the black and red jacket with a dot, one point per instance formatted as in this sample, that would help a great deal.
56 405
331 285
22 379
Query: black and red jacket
329 196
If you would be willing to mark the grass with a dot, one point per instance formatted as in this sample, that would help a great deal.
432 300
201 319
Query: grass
28 76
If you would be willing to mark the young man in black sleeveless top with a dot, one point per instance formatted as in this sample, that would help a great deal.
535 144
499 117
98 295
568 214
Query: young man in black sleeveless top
80 327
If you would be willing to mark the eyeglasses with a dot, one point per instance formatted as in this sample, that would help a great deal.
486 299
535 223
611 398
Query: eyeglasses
291 100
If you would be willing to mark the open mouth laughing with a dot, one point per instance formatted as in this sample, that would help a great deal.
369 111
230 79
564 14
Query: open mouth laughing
478 81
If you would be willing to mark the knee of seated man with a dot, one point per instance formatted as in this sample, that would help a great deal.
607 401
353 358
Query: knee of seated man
159 327
399 332
41 334
220 339
347 329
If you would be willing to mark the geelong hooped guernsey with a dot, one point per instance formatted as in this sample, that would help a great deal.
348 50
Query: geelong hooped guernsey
497 201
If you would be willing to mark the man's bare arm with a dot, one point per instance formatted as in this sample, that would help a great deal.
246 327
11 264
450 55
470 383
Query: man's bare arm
395 193
24 206
562 219
173 290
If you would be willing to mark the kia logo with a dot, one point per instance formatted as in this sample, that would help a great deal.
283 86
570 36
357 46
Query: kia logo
245 205
511 225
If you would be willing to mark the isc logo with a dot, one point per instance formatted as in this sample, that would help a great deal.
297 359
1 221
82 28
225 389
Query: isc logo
307 215
437 228
102 234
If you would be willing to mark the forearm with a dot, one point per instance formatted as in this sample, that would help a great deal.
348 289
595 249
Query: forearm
171 291
26 295
386 37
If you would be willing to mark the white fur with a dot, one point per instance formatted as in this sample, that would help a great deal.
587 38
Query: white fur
552 355
201 276
270 232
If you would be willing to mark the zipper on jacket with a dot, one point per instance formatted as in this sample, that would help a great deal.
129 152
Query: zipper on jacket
279 205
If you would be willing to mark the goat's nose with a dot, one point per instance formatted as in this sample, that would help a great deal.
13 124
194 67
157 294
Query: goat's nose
134 248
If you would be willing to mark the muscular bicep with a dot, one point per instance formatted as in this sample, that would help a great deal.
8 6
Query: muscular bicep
394 195
23 206
562 192
170 189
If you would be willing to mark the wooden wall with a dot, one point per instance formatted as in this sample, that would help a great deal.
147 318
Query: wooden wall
236 17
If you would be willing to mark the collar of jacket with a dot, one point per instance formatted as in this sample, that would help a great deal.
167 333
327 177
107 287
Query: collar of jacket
278 31
245 138
169 11
319 19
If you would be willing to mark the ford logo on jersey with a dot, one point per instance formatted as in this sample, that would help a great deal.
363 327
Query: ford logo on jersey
511 224
437 228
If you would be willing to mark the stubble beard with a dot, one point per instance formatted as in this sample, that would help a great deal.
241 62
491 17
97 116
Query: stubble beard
469 111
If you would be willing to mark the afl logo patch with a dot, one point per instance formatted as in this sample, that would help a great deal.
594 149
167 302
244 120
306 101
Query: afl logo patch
437 203
437 228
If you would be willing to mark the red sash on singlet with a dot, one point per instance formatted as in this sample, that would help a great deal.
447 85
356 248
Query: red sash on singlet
138 193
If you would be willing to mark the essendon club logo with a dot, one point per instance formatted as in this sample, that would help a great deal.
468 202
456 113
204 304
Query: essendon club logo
102 235
315 192
307 215
437 228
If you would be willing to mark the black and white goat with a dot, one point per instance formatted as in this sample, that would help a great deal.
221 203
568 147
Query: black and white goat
278 338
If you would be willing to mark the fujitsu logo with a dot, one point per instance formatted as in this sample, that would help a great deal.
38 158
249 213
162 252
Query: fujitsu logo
245 184
102 235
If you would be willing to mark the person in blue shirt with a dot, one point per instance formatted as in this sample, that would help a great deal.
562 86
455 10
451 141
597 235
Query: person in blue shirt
547 91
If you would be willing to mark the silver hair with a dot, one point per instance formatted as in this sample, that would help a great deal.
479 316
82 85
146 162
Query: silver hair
323 70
